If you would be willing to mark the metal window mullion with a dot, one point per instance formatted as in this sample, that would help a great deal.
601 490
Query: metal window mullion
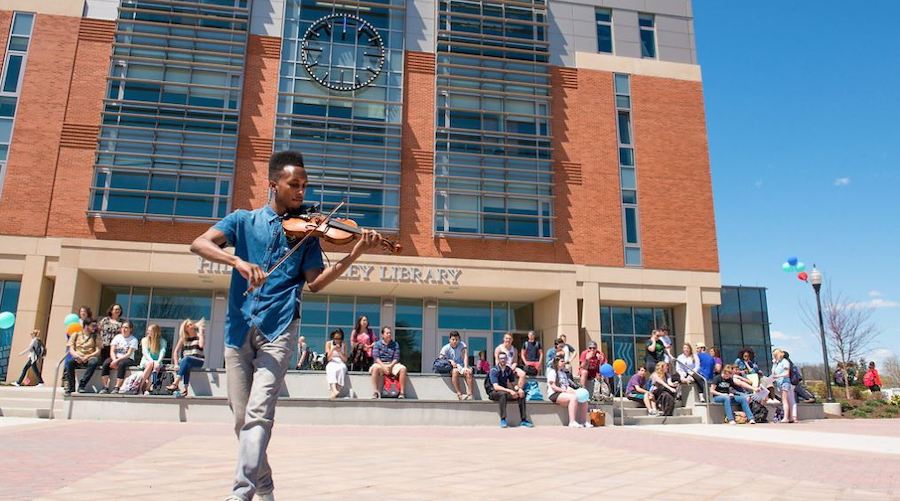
168 63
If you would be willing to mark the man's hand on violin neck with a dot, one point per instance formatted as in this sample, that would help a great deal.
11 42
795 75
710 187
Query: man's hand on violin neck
368 240
251 272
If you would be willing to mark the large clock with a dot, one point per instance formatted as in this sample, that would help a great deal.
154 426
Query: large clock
343 52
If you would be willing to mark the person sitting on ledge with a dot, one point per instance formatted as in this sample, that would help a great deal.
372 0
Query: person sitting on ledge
84 350
533 352
589 362
336 368
725 390
561 393
511 360
457 353
153 350
637 391
482 366
687 365
503 389
386 360
191 341
663 389
121 357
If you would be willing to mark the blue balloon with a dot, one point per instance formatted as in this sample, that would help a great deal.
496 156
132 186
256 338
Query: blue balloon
582 395
71 318
607 370
7 320
792 261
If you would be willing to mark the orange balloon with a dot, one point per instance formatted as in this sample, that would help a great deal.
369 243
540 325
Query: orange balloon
619 366
73 328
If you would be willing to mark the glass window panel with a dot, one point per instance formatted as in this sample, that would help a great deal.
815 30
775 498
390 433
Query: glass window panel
604 15
648 44
181 304
624 127
623 348
622 321
604 38
139 305
751 305
6 125
626 156
13 67
22 23
633 256
340 312
18 43
754 334
645 20
622 84
643 321
194 206
631 225
623 101
410 341
730 333
409 313
729 310
522 316
370 307
9 299
464 315
313 309
125 202
501 316
605 320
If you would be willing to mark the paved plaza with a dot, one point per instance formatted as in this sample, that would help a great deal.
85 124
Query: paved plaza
833 459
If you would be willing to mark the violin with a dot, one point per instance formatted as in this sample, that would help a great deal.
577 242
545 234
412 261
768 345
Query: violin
338 231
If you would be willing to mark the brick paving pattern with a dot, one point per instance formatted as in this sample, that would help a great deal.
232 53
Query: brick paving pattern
71 460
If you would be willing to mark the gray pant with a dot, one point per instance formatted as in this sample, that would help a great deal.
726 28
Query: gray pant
255 374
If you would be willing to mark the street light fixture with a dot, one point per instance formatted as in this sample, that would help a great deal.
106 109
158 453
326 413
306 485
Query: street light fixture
815 278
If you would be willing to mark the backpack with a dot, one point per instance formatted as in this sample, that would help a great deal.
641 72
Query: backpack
132 385
795 375
602 393
665 402
442 366
166 378
39 350
488 386
391 388
533 390
760 412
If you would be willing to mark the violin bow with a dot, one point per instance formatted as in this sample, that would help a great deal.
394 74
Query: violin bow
298 244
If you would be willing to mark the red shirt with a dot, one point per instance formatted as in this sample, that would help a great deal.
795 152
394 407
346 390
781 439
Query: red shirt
594 363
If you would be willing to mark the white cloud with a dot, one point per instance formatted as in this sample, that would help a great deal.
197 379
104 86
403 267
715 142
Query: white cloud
875 294
874 303
781 336
879 355
842 181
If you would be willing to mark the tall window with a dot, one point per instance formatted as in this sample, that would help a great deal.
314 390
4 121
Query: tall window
348 128
408 332
170 121
9 301
604 30
625 331
742 321
493 167
323 314
11 81
647 23
627 176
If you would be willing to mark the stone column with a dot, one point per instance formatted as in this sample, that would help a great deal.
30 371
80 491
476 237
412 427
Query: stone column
31 313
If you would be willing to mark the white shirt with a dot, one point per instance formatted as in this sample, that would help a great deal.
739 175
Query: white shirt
120 345
686 364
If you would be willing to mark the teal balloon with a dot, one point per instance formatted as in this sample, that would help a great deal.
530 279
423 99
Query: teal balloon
607 370
71 318
7 320
787 268
800 267
582 395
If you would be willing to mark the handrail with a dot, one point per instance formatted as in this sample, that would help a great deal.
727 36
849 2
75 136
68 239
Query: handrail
56 385
705 386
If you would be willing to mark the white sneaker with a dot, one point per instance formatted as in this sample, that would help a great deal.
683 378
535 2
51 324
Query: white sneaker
16 383
588 424
731 422
752 421
39 385
574 424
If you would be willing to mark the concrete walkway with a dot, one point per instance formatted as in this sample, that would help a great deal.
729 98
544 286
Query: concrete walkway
87 460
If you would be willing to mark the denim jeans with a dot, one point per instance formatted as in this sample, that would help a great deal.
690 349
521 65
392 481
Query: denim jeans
185 366
71 365
726 403
255 374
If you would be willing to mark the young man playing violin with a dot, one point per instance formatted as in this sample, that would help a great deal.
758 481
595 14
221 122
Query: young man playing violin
261 326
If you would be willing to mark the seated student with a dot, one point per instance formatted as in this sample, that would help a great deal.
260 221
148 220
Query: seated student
188 354
153 350
687 365
725 391
121 357
503 389
559 347
706 361
510 350
746 363
386 360
590 361
664 391
457 353
532 353
638 392
362 339
561 393
336 368
482 366
84 350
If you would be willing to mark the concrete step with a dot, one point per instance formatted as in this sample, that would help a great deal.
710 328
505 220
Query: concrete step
647 420
637 412
26 412
318 411
30 402
31 392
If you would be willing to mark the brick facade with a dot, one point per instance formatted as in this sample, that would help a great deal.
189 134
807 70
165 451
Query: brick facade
51 158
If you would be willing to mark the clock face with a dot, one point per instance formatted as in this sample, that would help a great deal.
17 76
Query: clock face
342 52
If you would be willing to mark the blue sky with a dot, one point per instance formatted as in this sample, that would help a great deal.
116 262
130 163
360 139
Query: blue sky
803 110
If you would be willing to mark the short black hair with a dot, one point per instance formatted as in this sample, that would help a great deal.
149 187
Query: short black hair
454 334
278 161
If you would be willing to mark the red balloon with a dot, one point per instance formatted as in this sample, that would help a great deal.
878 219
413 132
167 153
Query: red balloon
802 276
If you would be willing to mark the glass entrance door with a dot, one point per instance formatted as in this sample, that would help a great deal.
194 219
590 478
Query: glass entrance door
476 340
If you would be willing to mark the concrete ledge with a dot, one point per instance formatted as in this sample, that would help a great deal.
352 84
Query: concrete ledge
804 411
382 412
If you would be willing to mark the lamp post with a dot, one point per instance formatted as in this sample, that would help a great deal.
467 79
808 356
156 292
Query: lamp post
815 278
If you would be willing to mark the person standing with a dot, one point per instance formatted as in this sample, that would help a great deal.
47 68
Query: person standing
532 353
35 353
110 327
871 379
261 326
656 351
781 372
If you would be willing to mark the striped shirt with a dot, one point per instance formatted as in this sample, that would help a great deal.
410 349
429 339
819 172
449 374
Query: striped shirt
192 347
386 352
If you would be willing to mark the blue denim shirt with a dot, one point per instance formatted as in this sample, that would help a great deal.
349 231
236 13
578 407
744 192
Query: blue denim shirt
257 238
